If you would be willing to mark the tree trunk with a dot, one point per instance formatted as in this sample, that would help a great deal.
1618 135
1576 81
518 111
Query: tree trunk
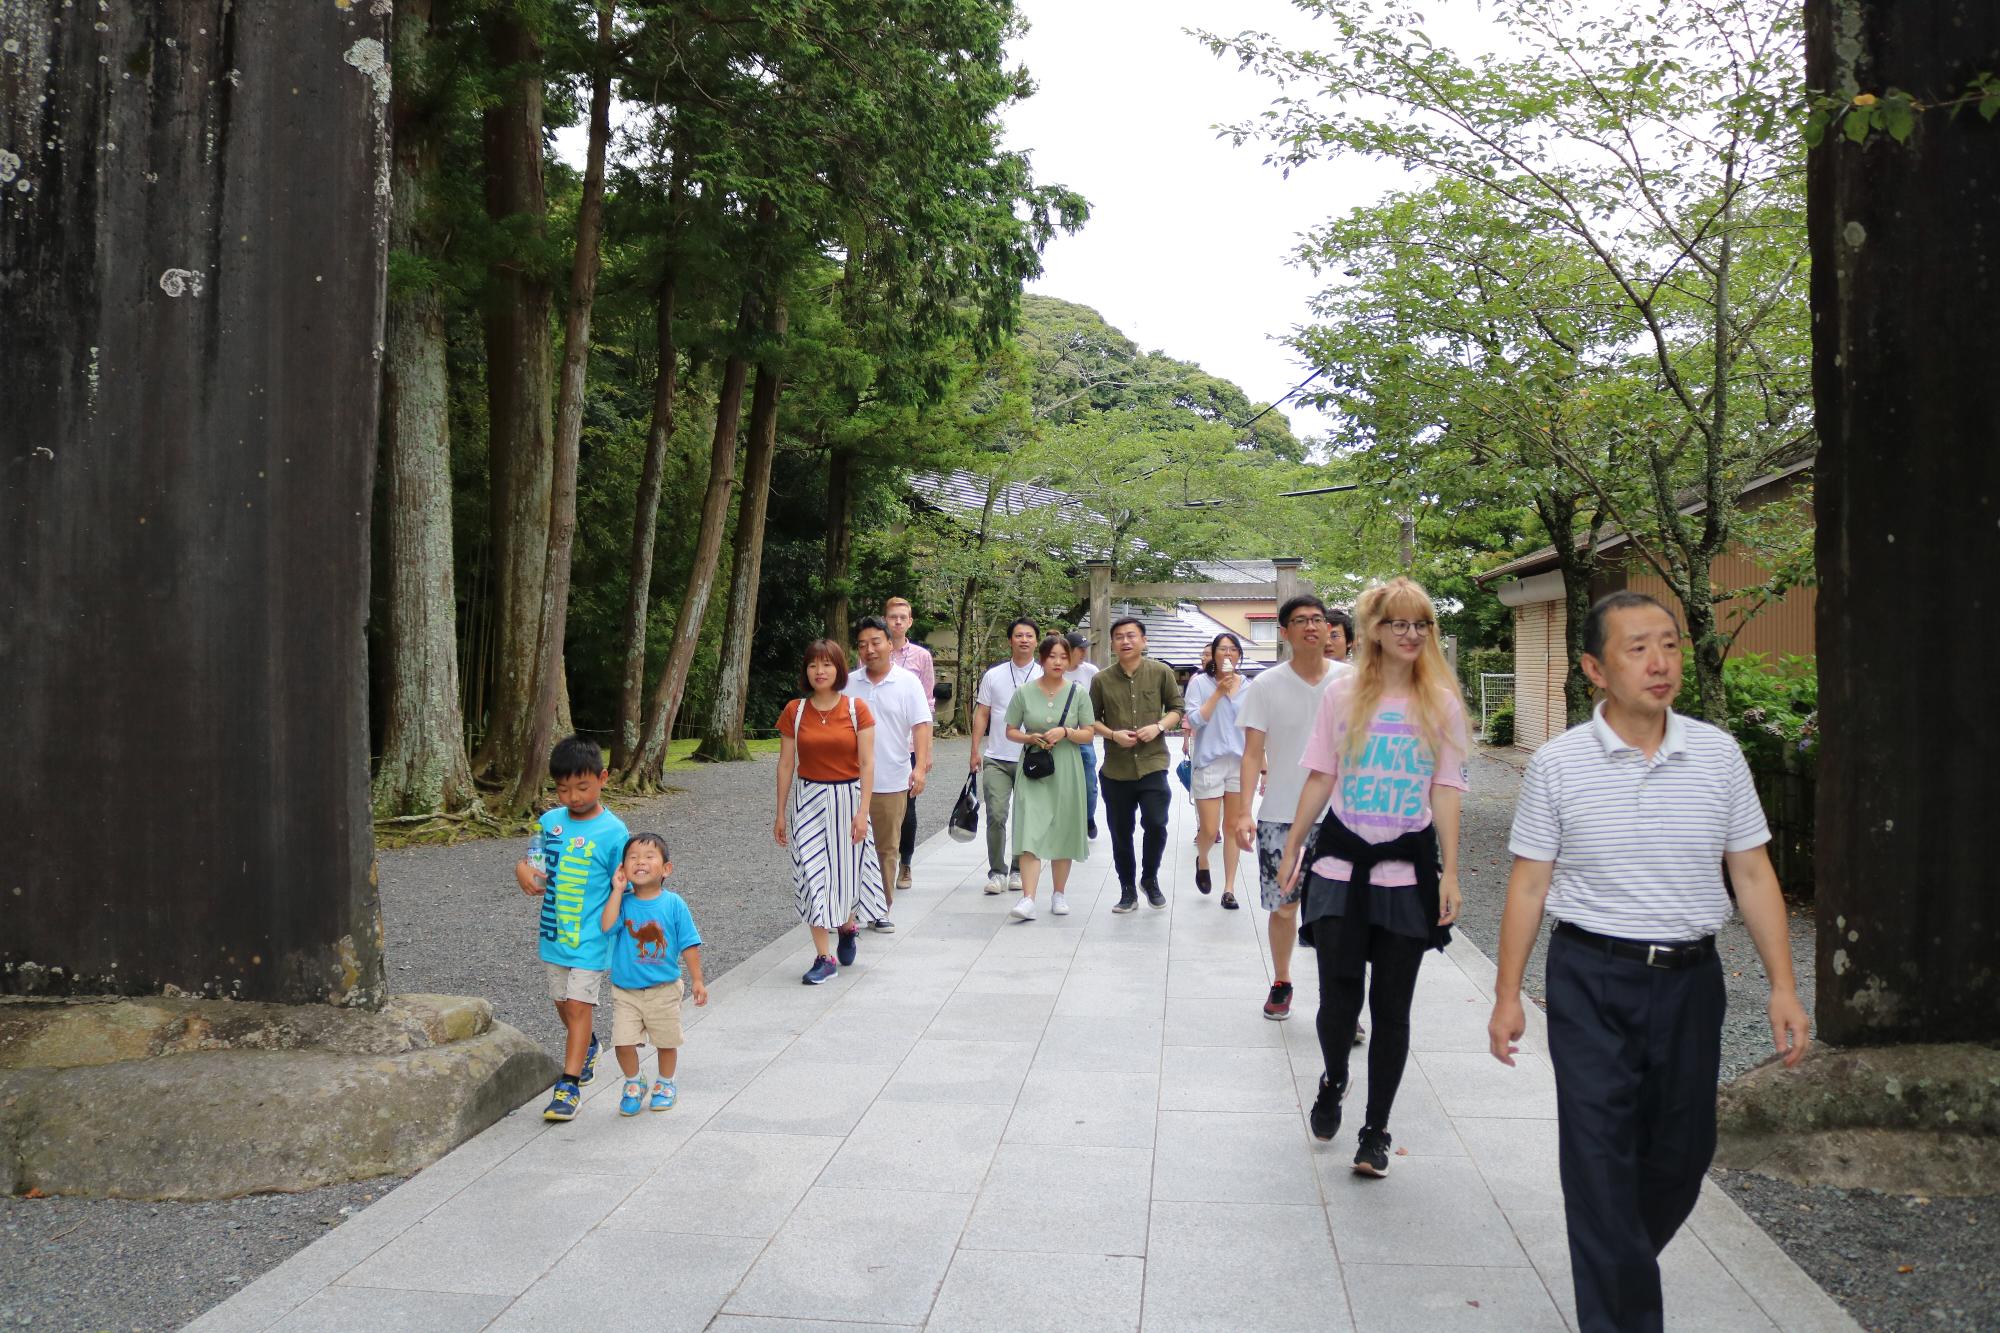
839 540
723 738
1578 563
1705 638
1903 251
554 616
519 458
423 765
645 526
648 768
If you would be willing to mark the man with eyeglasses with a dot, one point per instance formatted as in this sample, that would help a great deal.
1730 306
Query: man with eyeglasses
1136 701
1278 711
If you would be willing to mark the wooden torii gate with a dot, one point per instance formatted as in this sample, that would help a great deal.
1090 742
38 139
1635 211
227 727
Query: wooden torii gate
1102 592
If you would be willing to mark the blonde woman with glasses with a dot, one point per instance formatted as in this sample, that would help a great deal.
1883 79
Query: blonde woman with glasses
1388 751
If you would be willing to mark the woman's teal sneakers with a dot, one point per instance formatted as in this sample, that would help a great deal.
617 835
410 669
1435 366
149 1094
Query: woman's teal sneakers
664 1095
564 1104
634 1098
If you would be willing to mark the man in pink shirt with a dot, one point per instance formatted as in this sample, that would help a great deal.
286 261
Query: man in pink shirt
914 658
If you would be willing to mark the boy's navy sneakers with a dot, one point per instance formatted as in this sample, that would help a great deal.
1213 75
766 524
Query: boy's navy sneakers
823 969
844 950
563 1105
589 1063
633 1098
664 1095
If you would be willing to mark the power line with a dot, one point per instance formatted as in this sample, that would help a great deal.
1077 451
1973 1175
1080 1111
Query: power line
1288 394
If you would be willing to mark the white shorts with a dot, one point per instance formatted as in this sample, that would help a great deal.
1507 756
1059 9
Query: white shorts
1212 780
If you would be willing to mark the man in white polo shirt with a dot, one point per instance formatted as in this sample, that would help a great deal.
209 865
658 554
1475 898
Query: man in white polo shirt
1622 829
1279 709
998 758
902 742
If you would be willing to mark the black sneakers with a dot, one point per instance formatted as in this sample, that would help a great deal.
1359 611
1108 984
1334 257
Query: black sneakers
1326 1109
1372 1157
1154 896
1127 900
1278 1007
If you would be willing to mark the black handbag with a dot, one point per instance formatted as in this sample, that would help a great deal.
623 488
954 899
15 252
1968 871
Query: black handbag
964 822
1037 762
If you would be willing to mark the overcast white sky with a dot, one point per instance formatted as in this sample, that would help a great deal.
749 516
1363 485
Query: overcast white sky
1187 246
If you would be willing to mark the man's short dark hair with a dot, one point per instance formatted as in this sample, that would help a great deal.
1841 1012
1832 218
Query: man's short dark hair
1123 621
1340 620
1600 611
575 756
868 623
1019 621
1290 608
648 840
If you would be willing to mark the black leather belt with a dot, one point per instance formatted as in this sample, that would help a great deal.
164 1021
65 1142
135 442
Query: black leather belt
1679 954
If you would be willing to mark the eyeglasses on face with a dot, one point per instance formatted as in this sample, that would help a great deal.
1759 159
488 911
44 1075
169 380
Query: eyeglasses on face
1304 622
1401 627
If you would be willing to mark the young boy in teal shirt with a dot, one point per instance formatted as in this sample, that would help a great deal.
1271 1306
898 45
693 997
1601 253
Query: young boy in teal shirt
576 851
653 937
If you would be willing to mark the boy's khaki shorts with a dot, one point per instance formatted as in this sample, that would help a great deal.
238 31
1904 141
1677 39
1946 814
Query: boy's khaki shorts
653 1014
574 983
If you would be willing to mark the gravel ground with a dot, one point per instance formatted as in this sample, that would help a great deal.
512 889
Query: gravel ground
1854 1243
455 924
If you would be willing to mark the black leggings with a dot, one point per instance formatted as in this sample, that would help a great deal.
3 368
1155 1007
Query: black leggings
1393 961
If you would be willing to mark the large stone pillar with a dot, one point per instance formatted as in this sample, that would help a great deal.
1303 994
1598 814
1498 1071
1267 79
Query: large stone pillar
1905 279
191 285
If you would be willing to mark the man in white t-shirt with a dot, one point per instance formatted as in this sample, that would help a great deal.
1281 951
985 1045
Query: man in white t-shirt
1081 671
997 762
1277 717
902 743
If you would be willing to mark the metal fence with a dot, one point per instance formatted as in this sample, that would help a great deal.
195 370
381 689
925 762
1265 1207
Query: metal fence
1496 691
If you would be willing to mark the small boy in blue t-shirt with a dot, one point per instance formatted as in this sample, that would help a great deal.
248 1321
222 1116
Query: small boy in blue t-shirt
652 937
576 851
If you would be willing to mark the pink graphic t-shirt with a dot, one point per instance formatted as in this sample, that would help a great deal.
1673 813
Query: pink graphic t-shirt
1387 791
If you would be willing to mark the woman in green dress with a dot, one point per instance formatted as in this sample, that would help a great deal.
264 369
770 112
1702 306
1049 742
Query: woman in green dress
1050 815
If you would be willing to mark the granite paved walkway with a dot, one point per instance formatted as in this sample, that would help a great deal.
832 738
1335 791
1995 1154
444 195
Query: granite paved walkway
1079 1123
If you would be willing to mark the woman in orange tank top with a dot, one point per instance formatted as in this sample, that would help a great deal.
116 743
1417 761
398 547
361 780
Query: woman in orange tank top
826 773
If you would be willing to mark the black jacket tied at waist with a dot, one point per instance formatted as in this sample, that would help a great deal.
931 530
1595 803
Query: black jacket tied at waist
1419 847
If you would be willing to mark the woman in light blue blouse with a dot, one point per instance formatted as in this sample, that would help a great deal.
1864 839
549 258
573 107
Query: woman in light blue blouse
1216 756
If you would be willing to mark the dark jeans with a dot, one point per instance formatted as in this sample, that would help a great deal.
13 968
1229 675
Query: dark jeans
1636 1051
909 844
1393 962
1150 799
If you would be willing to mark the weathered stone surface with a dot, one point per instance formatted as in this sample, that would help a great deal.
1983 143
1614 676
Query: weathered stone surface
70 1034
1905 1119
207 1099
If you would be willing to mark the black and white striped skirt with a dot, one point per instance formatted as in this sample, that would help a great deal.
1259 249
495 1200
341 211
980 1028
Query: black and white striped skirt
832 874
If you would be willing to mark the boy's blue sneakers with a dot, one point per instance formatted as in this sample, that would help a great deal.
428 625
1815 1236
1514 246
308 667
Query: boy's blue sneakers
663 1095
564 1104
823 969
589 1063
634 1098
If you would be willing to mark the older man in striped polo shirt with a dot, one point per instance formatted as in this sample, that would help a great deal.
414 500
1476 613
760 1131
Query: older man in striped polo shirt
1622 829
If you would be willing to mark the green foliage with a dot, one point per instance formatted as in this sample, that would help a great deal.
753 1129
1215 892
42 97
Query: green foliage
1773 709
1500 725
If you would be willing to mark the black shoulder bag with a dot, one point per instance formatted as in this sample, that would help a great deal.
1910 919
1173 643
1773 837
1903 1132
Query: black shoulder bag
1037 762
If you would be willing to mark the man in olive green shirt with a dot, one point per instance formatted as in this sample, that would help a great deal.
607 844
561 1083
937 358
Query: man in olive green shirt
1136 700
